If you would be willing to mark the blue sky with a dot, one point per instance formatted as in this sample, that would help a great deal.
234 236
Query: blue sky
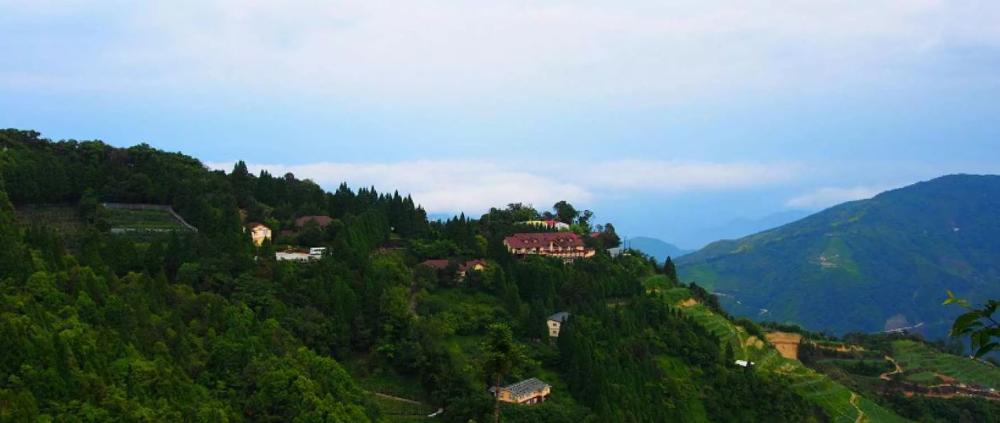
666 118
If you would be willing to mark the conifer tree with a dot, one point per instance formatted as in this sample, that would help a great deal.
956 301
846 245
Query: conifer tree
670 270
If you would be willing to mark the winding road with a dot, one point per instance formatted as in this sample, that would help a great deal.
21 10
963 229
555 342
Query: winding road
887 376
854 403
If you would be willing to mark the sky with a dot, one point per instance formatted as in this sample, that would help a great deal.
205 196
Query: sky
666 118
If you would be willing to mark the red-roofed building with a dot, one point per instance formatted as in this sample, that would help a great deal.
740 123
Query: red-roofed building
322 221
436 264
461 270
476 265
565 245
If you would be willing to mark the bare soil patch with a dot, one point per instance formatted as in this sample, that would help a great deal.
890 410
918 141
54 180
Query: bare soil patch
690 302
786 343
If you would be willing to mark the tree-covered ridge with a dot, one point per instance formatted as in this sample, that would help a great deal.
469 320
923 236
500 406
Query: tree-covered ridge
868 265
205 326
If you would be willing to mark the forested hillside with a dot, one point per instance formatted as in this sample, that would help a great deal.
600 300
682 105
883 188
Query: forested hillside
870 265
181 325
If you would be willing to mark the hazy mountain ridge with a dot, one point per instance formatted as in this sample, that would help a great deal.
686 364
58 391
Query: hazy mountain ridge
656 248
866 265
740 227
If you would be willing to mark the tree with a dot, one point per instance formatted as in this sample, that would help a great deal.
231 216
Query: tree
670 270
501 354
565 212
978 324
242 182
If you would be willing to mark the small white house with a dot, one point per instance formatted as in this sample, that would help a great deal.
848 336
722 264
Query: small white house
555 323
292 256
314 253
744 363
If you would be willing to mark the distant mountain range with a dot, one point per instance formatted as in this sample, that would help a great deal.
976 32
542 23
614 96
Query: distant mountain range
869 265
656 248
738 228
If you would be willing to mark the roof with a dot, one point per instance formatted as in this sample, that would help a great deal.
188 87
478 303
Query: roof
543 239
526 386
252 225
322 221
559 317
444 263
471 264
436 263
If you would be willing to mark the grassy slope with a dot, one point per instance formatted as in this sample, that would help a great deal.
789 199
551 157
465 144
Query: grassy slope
921 364
833 397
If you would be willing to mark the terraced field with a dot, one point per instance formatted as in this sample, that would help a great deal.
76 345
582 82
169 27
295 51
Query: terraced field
401 409
839 402
63 219
656 283
143 220
922 365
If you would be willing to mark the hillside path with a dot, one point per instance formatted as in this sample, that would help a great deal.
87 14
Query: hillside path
854 403
888 375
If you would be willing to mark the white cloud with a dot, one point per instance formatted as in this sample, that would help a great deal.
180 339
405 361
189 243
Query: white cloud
830 196
458 51
474 186
676 176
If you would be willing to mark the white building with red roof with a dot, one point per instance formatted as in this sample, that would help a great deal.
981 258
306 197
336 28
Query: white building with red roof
565 245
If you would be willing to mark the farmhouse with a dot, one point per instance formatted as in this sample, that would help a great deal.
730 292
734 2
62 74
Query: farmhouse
258 232
461 270
565 245
555 323
321 221
530 391
475 265
436 264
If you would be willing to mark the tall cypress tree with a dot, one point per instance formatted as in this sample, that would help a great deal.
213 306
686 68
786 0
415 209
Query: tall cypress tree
670 270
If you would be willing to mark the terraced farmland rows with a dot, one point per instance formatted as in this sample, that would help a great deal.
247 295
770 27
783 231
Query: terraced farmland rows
838 401
917 358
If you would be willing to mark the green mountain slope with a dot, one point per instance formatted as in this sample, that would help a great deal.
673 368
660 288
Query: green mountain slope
869 265
839 402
